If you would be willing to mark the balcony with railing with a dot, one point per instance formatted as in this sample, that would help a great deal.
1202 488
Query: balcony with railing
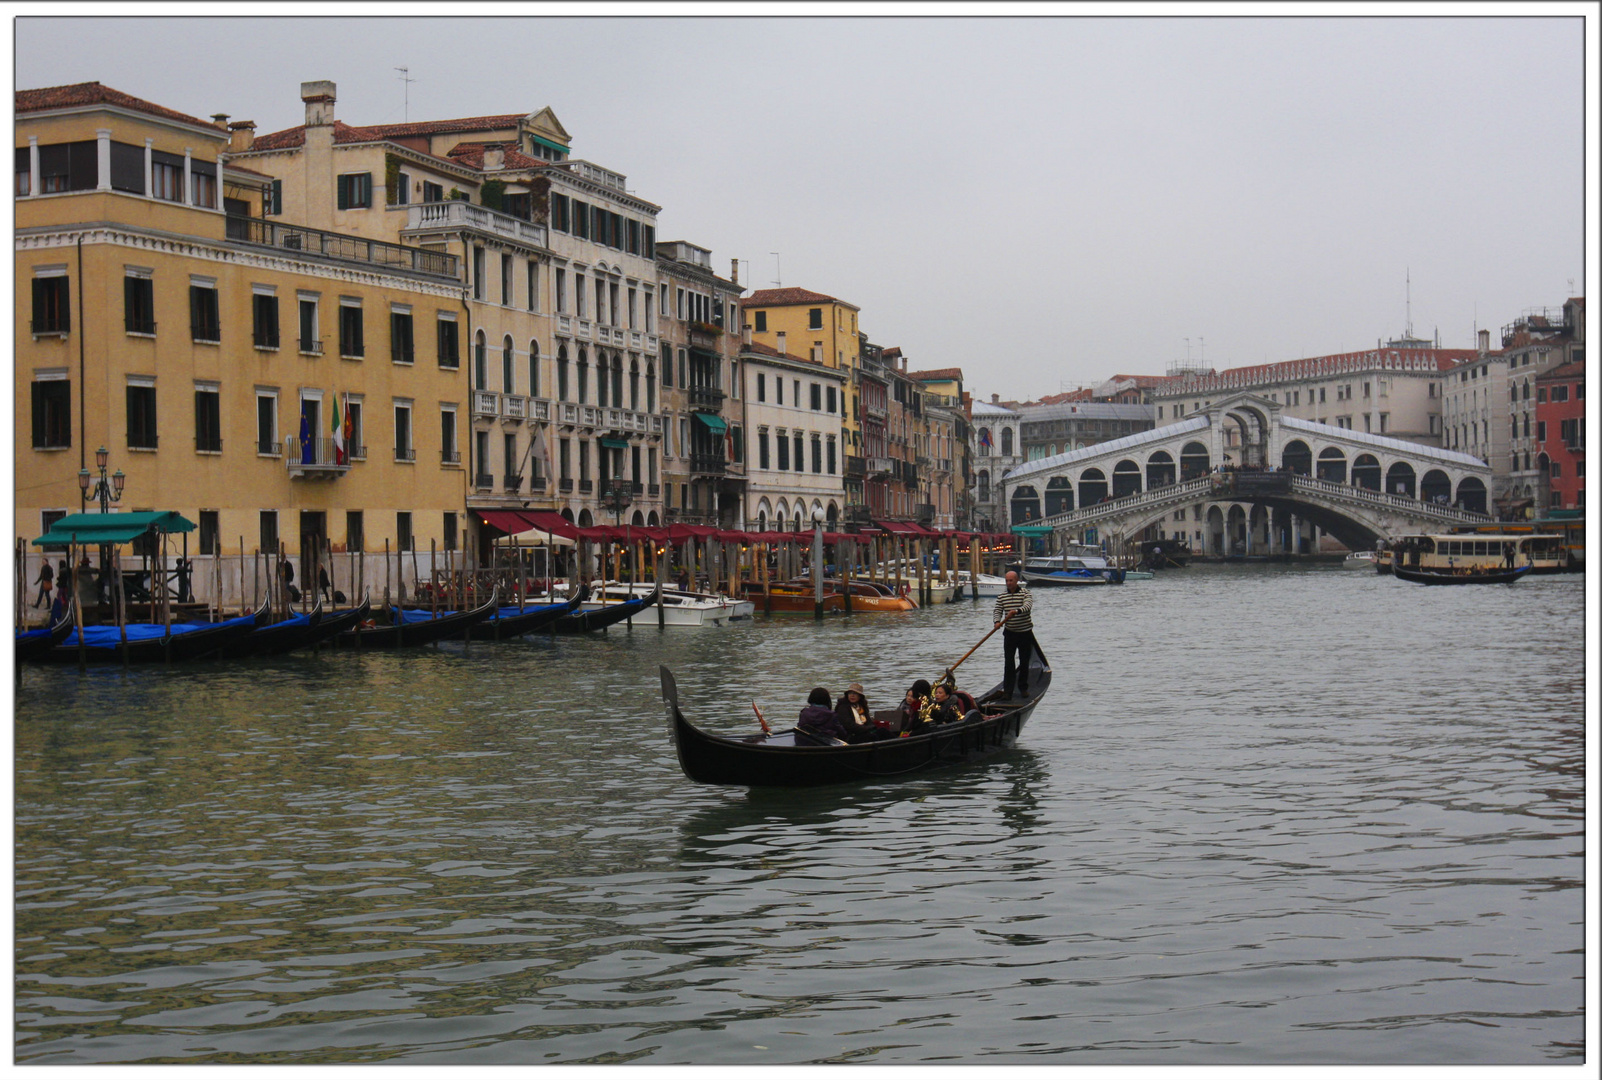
314 459
881 466
514 407
450 457
342 248
484 481
453 215
512 482
707 464
586 487
565 485
539 409
706 398
486 403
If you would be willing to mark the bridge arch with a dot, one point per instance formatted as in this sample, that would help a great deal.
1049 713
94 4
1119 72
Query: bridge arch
1254 428
1126 478
1297 457
1159 469
1092 487
1194 460
1025 504
1332 465
1059 495
1400 479
1366 472
1435 487
1471 494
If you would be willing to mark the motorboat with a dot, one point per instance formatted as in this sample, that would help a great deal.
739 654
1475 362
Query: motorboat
679 607
983 586
1055 570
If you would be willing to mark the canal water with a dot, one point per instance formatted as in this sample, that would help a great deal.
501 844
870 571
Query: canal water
1267 815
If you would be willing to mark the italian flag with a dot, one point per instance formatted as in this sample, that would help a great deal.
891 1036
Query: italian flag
341 421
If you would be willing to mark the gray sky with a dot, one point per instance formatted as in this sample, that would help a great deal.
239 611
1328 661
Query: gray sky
1043 202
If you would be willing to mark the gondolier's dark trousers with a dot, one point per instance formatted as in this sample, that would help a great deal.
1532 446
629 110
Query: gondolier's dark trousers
1018 649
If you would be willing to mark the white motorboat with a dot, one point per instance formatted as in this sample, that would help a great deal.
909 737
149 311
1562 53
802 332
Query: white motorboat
1054 570
679 607
1359 560
984 586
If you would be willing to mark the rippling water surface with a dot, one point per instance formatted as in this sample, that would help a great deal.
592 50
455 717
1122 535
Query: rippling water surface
1266 815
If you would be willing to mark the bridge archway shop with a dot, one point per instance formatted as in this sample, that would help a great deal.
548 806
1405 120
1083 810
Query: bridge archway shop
1311 479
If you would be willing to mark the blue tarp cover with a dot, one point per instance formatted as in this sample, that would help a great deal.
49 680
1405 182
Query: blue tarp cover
109 637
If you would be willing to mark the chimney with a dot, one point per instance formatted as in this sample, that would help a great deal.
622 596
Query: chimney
781 341
494 158
220 119
241 136
1485 342
995 399
319 99
734 271
745 333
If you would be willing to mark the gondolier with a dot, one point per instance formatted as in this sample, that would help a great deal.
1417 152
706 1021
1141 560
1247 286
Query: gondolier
1018 644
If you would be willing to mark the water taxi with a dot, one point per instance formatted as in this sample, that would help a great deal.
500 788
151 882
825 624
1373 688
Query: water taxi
1543 553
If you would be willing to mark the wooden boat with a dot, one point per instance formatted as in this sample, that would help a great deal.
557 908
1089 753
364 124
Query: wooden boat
511 622
868 595
789 759
583 622
416 627
791 599
153 643
297 632
34 644
1464 577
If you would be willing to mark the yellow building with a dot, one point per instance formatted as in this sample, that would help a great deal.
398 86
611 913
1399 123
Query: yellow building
822 329
210 351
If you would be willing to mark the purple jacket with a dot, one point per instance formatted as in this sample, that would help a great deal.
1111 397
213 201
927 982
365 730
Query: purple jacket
817 720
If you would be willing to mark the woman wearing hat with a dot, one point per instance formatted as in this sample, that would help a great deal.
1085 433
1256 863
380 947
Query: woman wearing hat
856 718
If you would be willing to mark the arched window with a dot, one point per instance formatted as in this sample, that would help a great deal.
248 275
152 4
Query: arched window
650 388
508 376
634 384
480 362
617 380
534 369
583 376
1006 442
561 373
600 378
985 442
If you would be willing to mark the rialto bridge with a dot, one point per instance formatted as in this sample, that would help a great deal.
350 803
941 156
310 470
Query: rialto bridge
1239 478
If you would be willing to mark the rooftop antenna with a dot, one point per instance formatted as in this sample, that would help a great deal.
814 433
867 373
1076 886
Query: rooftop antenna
406 101
778 281
1409 331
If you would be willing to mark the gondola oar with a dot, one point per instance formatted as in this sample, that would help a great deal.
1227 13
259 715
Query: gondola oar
761 719
950 670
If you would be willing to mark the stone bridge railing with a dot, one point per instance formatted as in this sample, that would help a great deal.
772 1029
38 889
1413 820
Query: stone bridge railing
1216 486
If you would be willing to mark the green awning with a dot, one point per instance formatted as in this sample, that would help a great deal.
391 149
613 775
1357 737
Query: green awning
112 528
716 423
615 444
553 145
1032 530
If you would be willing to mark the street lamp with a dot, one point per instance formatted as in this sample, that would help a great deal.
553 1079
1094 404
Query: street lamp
617 498
107 491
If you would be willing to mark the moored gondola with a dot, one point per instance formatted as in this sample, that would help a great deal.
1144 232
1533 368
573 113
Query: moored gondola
298 632
1460 577
582 622
510 622
34 644
410 627
780 760
151 643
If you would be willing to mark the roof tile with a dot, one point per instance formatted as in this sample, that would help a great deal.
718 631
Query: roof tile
94 93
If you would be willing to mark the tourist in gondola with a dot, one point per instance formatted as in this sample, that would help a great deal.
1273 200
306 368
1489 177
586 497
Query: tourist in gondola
817 719
946 709
1018 645
915 707
854 715
964 700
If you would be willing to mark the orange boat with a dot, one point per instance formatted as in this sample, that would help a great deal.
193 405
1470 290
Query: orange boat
791 598
871 596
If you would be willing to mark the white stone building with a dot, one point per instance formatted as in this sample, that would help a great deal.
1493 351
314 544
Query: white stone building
794 459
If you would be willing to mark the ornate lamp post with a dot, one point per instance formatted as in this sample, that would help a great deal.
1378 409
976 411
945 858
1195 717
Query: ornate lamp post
617 498
107 491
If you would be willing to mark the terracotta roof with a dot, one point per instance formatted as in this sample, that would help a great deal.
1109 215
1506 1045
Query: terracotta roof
937 375
1563 371
511 157
773 297
345 133
1082 394
894 350
1323 366
93 93
769 350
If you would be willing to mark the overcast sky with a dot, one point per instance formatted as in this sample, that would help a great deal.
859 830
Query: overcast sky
1043 202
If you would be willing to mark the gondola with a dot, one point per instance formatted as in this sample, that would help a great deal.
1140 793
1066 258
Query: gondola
1472 577
297 632
152 643
582 622
416 627
786 759
34 644
511 622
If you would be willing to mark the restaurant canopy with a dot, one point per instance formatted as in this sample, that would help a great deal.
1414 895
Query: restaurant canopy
112 528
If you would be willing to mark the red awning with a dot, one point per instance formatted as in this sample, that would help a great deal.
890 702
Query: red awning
903 528
680 533
547 521
507 521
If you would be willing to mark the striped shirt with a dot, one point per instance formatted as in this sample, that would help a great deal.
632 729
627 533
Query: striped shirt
1020 603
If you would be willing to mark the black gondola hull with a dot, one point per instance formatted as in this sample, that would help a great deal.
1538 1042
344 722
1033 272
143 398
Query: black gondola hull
277 640
453 625
178 648
527 622
759 762
1479 577
583 622
37 646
